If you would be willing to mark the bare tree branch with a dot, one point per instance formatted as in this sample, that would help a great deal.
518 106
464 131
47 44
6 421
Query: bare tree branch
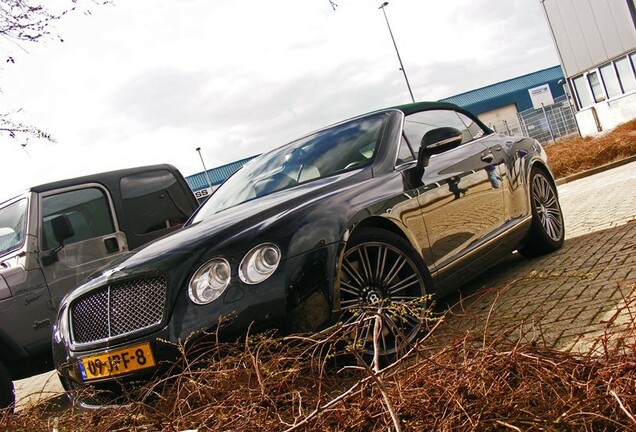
26 21
23 22
20 131
31 21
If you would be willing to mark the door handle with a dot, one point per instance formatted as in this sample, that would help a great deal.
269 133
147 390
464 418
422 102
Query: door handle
488 158
111 244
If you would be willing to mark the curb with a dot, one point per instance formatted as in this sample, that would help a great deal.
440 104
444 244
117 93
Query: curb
596 170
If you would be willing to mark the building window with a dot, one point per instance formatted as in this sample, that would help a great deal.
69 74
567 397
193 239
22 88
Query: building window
609 81
612 87
626 74
597 87
581 88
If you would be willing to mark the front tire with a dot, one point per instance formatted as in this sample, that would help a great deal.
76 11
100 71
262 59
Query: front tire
547 232
383 276
7 395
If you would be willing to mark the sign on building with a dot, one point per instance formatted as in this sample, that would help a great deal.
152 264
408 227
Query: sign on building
541 96
202 194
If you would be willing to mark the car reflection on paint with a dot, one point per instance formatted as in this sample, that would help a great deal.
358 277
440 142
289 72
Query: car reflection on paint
386 207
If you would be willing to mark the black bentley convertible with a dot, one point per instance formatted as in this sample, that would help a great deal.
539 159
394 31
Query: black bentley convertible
383 208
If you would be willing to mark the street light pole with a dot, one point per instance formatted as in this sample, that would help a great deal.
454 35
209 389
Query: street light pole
198 149
396 49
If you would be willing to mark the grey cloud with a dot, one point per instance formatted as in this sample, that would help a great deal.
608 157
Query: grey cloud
174 98
161 97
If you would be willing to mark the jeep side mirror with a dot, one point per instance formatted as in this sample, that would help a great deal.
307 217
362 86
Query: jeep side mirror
62 230
438 141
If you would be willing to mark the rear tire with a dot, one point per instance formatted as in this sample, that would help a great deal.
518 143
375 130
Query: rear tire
7 395
547 231
379 271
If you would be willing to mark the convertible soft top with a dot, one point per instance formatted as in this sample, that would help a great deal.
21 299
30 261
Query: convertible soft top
411 108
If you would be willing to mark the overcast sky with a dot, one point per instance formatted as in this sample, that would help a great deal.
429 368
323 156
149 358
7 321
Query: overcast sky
148 81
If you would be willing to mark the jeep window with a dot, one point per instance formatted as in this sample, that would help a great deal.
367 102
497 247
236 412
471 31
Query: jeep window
153 201
12 220
87 211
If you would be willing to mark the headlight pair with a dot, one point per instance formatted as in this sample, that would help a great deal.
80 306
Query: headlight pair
213 277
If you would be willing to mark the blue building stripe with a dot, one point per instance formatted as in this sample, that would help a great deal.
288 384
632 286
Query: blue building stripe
513 91
217 175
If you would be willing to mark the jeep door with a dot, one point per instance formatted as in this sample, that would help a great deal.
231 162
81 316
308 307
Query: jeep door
23 292
93 237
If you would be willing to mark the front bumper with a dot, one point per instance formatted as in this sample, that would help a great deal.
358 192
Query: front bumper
114 389
188 323
243 307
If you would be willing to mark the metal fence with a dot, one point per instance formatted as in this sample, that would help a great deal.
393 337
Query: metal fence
507 126
550 123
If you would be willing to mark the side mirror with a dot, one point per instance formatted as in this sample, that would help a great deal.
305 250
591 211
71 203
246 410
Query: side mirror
438 141
62 230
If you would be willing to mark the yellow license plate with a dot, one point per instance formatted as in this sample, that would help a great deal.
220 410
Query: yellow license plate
116 362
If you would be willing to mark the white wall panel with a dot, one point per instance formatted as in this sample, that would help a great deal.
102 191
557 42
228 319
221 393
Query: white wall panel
609 34
565 46
589 27
625 26
590 32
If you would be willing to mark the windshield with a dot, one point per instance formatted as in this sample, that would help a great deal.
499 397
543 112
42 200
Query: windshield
12 221
343 147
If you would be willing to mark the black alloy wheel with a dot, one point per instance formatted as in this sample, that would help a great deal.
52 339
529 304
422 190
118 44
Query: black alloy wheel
547 232
382 276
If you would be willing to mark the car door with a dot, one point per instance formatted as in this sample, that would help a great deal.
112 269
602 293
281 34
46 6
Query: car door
459 203
155 202
25 314
95 241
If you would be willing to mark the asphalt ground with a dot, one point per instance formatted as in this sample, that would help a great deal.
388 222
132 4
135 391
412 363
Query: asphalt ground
566 299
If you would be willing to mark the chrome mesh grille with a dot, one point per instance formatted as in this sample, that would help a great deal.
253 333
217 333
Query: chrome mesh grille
90 314
118 309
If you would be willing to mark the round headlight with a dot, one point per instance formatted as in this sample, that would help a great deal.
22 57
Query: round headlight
259 263
209 281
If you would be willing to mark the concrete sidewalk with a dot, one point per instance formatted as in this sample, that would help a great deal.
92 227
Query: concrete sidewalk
600 201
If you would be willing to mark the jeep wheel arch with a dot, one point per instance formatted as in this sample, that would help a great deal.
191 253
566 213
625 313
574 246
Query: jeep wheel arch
7 394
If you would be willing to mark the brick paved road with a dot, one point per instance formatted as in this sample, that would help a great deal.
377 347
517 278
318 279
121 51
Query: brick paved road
566 297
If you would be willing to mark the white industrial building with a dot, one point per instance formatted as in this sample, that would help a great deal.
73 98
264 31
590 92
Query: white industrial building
596 44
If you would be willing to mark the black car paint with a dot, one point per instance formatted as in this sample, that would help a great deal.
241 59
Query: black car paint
311 224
